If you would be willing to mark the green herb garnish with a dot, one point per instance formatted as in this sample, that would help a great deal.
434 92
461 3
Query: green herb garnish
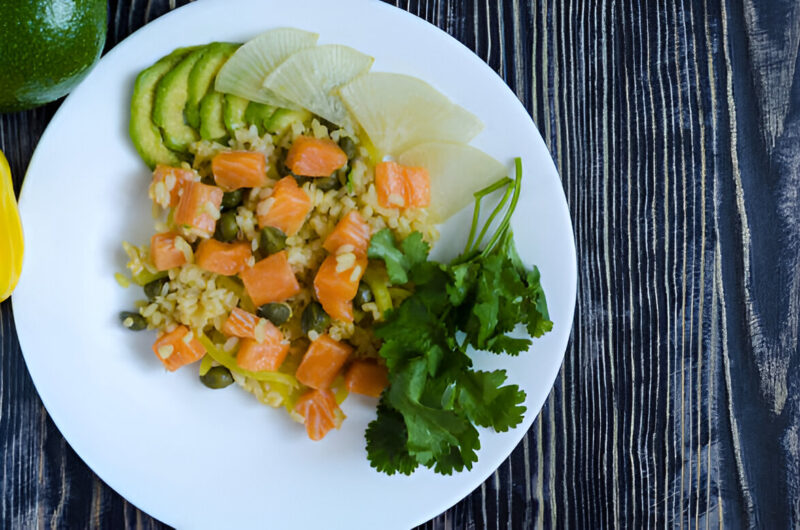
435 399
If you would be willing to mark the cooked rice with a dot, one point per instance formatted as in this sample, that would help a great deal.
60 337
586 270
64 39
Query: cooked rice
202 300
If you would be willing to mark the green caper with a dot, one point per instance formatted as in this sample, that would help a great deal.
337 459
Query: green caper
300 179
275 312
271 240
363 295
348 146
217 377
132 321
153 289
232 199
327 183
314 318
227 228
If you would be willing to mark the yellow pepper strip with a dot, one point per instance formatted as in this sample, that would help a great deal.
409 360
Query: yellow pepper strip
11 242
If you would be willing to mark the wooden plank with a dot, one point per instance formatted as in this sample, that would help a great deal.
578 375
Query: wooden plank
676 130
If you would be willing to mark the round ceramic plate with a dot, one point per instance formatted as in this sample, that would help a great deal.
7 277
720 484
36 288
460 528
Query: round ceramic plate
193 457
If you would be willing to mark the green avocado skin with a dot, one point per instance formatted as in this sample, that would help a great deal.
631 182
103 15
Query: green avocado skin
47 47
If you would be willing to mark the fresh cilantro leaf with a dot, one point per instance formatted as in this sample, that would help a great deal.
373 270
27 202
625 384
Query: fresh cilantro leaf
386 443
382 246
507 345
432 432
489 404
415 249
413 252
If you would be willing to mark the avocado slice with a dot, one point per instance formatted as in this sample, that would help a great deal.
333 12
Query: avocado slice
145 135
258 114
212 125
170 101
202 76
233 113
282 119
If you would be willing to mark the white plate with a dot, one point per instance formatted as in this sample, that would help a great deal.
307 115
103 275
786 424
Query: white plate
193 457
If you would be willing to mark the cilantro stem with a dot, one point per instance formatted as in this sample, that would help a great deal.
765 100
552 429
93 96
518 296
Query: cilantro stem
496 211
477 210
507 218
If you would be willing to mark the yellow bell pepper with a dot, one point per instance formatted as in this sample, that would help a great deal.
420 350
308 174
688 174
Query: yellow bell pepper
11 242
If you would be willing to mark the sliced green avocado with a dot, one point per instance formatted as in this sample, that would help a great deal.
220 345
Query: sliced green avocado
171 95
282 119
212 126
145 134
233 113
202 76
258 114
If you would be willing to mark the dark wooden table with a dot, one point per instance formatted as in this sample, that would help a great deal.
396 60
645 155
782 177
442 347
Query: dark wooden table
675 126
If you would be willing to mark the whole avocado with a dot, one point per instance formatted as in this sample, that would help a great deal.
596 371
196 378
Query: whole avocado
47 47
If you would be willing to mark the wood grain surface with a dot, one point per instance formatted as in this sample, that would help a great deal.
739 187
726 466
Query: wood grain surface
675 126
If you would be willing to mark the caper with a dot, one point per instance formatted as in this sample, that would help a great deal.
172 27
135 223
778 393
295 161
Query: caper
341 174
327 183
132 321
227 228
275 312
232 199
314 318
153 289
348 146
363 295
271 240
217 377
300 179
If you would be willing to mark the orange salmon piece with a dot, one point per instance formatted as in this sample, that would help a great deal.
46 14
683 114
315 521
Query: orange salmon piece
287 207
320 412
226 259
198 207
322 362
367 378
177 348
315 157
163 252
239 169
270 280
350 230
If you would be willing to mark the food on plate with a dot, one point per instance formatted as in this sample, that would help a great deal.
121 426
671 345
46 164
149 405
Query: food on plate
291 256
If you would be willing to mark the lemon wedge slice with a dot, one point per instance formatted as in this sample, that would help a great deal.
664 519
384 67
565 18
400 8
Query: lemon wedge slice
11 242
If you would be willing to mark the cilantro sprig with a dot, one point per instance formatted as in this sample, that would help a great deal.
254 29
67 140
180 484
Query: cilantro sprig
427 415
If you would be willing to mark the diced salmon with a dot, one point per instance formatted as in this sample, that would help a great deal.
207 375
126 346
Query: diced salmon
270 280
178 348
367 378
239 169
335 290
286 209
198 208
322 362
164 253
266 356
418 187
401 186
222 258
167 183
350 230
320 412
390 185
240 323
315 157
